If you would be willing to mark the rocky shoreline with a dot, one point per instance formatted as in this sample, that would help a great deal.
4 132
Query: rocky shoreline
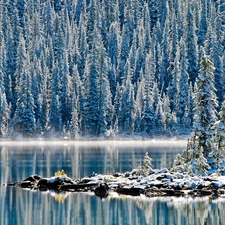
154 184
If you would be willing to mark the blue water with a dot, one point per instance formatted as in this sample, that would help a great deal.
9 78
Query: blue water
25 207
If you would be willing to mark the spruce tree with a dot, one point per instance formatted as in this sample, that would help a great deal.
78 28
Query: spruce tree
203 24
4 107
206 104
182 95
191 45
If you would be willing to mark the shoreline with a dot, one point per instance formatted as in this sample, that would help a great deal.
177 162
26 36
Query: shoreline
159 183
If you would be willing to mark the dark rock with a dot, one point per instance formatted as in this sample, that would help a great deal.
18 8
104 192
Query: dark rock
169 192
200 186
26 184
12 184
101 191
178 193
127 174
33 178
130 191
160 177
159 185
117 175
202 193
87 180
44 182
178 188
78 187
134 177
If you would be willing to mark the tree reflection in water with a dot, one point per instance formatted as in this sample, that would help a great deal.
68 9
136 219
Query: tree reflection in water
27 207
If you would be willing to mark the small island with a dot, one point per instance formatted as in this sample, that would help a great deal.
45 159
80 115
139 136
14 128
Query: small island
140 181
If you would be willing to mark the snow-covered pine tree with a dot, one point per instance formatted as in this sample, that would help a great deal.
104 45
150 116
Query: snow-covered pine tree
191 45
127 39
200 148
66 95
218 153
183 87
24 119
126 102
105 96
203 24
55 123
4 107
218 49
206 105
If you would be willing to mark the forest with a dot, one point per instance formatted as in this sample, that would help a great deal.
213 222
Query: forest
104 68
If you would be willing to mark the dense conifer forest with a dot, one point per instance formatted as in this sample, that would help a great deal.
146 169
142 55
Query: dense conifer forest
108 67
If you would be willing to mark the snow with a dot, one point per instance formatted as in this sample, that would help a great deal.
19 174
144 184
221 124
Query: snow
171 180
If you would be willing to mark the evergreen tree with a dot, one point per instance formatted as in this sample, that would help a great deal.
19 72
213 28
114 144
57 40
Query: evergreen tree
148 119
83 48
206 104
4 114
92 75
218 49
173 85
74 123
80 9
203 24
13 39
113 44
165 78
126 101
55 123
105 96
173 45
168 119
4 107
66 96
155 11
182 95
218 153
24 119
127 40
191 44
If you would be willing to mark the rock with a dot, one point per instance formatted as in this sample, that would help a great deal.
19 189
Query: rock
88 179
127 174
165 170
26 184
117 175
161 177
130 191
33 178
216 184
102 190
78 187
178 175
139 178
156 184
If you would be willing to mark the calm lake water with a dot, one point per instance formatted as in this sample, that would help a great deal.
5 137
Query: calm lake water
24 207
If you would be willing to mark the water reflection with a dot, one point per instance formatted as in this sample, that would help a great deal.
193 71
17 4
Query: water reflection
19 160
79 159
26 207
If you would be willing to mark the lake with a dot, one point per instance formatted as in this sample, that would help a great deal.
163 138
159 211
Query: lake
18 160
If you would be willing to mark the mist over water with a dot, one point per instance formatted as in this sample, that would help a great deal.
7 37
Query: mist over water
21 159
